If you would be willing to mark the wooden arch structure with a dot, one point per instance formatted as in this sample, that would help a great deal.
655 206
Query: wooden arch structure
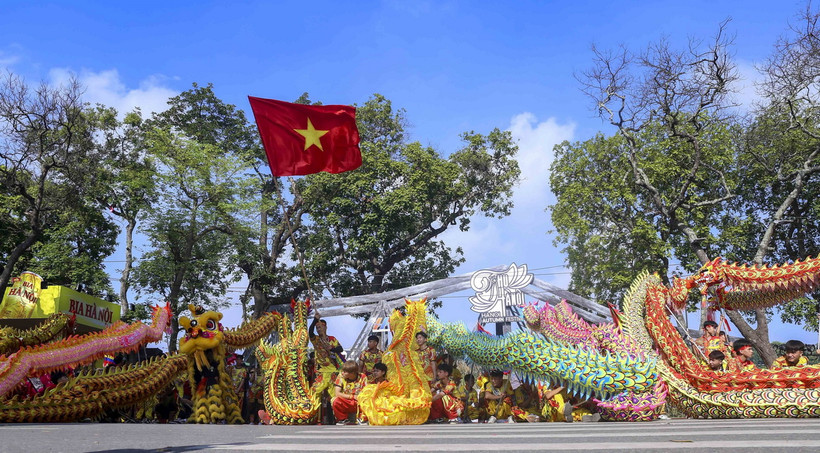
380 305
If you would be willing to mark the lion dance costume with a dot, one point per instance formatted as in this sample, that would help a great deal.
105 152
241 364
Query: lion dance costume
205 343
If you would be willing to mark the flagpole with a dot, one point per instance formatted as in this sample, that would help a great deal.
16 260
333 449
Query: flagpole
289 137
295 246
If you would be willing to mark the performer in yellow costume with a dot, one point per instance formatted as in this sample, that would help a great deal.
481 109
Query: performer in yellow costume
370 356
427 355
527 406
469 398
793 355
557 407
327 358
498 393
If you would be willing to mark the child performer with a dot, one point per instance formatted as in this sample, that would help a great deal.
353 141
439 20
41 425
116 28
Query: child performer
348 385
370 356
469 398
743 354
427 355
498 394
716 361
327 354
710 340
445 404
527 407
793 355
557 406
379 374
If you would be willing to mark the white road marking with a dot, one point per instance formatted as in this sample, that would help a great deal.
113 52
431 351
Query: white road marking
373 435
39 428
439 445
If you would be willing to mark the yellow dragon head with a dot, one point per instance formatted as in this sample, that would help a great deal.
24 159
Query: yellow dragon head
202 333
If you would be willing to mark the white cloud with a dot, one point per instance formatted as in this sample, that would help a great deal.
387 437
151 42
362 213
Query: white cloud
10 55
535 142
746 94
7 60
105 87
521 237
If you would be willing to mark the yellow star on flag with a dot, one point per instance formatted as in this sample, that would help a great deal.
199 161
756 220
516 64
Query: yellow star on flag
312 136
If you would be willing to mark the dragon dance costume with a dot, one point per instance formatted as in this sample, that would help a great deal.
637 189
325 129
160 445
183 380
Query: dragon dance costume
449 406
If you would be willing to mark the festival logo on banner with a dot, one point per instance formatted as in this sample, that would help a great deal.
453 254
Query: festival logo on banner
22 296
497 290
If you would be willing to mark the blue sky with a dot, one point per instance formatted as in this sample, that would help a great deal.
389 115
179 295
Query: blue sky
454 66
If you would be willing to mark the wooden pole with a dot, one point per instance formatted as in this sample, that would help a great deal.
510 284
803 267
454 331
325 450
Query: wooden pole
295 246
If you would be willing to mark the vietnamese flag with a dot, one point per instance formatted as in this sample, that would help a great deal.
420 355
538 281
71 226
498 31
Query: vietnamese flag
303 139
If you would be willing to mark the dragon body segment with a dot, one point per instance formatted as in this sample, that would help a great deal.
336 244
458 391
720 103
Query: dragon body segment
697 391
580 370
80 350
743 287
55 327
560 324
288 399
90 395
636 365
405 398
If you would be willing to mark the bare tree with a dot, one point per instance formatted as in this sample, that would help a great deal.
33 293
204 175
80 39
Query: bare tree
45 142
685 97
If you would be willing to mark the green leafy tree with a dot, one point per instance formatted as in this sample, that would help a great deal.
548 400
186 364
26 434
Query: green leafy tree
201 179
376 228
189 256
603 221
699 183
676 101
71 253
784 150
126 183
47 146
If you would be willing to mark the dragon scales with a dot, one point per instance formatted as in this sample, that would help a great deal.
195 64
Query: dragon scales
630 368
581 371
562 325
696 390
288 399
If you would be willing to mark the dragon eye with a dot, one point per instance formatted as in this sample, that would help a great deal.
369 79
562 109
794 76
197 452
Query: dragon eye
193 323
211 325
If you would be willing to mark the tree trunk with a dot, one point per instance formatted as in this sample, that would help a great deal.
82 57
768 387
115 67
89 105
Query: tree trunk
176 309
172 339
129 259
759 337
260 300
15 255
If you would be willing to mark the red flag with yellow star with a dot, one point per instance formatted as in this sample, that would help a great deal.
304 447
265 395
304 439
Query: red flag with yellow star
303 139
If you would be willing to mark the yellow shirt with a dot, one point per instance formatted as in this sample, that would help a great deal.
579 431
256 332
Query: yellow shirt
505 389
781 362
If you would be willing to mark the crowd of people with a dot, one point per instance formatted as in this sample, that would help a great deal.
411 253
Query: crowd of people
491 397
714 347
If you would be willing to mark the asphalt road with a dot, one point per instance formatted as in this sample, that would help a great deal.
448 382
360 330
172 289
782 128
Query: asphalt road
768 435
